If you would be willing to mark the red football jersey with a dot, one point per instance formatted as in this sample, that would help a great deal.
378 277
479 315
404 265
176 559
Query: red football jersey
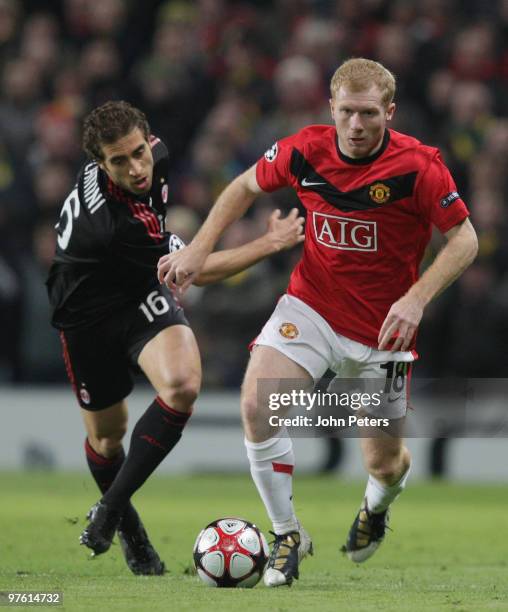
368 221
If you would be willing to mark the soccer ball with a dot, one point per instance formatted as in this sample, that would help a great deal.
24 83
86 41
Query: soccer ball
230 552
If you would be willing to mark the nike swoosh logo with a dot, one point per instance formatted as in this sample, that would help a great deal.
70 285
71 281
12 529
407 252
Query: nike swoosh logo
395 399
306 183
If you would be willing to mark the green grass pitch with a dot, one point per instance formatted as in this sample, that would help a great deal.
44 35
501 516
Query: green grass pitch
447 551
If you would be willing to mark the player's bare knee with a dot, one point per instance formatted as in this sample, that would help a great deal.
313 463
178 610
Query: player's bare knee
255 420
180 393
249 409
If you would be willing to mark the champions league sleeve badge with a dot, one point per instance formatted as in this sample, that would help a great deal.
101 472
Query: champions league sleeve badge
175 243
271 153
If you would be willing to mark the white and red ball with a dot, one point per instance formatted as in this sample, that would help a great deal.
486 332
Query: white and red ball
230 552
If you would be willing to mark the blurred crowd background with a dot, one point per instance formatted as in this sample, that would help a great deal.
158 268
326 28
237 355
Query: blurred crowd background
220 81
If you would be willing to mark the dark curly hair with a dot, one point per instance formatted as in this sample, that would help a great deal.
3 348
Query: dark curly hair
110 122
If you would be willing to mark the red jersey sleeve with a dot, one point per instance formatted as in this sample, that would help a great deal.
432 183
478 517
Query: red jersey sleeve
437 196
272 170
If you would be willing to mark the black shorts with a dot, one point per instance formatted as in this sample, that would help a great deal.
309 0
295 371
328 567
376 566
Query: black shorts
101 359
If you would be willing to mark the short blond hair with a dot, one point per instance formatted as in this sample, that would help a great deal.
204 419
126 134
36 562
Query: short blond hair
359 74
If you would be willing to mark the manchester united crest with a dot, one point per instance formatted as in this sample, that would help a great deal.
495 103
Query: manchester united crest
379 193
289 331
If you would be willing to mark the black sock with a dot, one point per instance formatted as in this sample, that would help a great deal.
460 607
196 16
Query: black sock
154 436
104 471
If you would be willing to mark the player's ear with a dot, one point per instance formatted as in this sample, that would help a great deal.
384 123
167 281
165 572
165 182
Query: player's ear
331 106
390 110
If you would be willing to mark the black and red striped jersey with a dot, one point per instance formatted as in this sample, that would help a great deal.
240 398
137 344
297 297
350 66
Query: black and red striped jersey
108 244
368 221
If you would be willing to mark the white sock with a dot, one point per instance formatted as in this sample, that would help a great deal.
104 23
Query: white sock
380 496
271 466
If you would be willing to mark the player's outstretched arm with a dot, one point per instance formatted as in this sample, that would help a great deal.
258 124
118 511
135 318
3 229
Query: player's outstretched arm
405 315
281 234
183 266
